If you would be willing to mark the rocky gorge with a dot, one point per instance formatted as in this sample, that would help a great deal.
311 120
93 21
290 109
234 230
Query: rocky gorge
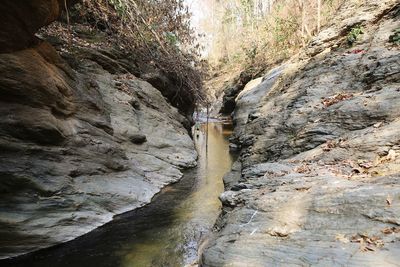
317 181
82 137
88 132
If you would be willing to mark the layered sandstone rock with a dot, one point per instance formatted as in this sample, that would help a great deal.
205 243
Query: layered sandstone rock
68 157
320 154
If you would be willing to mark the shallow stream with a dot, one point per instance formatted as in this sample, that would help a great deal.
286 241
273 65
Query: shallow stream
167 232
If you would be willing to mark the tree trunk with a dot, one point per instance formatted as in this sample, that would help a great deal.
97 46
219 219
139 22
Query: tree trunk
319 15
303 18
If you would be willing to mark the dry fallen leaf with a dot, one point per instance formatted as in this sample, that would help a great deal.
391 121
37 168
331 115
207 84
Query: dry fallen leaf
357 240
342 238
367 243
329 145
365 164
366 248
391 230
303 169
278 232
336 99
391 156
389 200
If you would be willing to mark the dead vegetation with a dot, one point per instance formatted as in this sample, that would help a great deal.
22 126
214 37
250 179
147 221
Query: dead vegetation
391 230
264 32
329 101
367 243
155 33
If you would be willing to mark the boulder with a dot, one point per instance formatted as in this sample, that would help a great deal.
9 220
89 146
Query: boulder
138 138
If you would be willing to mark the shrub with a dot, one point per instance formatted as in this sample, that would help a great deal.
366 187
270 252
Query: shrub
395 37
354 34
156 31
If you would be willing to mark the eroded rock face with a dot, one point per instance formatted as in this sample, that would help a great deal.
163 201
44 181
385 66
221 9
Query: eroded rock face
232 91
320 139
21 20
77 145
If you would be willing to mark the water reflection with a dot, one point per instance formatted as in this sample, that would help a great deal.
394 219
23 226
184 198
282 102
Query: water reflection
176 245
165 232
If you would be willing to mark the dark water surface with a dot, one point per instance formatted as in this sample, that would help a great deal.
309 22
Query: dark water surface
164 233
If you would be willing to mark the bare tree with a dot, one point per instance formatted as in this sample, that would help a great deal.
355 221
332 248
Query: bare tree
319 15
303 23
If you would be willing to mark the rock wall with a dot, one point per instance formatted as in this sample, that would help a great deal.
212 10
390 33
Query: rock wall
317 183
233 89
80 141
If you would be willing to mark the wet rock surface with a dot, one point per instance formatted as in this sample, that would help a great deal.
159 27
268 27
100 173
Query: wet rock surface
320 154
79 142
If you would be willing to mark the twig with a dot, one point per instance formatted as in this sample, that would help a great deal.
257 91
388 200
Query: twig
67 12
139 14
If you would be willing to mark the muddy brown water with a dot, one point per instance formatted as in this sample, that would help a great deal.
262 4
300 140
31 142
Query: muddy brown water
164 233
